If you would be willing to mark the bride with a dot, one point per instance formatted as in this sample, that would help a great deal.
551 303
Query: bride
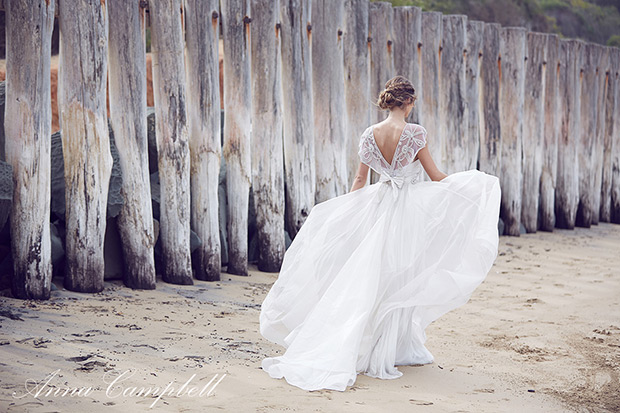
371 269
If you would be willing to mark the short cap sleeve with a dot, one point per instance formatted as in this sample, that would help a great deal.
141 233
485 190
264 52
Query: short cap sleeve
420 133
365 149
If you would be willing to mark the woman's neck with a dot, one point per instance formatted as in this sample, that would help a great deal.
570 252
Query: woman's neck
397 115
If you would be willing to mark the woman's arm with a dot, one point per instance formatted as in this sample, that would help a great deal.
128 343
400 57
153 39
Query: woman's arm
360 177
427 162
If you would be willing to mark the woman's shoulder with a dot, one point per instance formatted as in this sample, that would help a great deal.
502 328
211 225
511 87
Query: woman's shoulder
416 129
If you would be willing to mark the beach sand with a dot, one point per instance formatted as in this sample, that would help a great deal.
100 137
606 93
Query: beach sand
541 334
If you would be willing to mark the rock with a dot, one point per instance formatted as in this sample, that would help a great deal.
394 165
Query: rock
58 234
194 241
252 230
253 249
115 200
155 230
5 235
58 250
287 240
500 226
58 178
6 267
152 141
522 229
222 213
113 252
6 192
2 100
155 194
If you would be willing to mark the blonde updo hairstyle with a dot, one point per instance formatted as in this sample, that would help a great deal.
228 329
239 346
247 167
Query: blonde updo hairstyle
398 91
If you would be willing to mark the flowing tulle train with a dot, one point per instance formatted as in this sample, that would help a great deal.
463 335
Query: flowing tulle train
370 270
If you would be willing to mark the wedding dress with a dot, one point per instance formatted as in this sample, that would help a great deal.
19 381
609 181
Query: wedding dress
370 270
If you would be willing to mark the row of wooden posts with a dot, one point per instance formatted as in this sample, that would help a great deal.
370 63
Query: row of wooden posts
300 79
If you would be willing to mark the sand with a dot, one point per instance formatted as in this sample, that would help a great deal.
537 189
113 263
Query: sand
541 334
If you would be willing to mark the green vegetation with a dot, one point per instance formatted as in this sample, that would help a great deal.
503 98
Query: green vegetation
595 21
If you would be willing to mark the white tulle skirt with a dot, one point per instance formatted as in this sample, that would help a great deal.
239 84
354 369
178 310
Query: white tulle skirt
370 270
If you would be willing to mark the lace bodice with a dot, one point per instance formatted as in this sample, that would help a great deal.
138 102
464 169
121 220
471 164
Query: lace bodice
412 139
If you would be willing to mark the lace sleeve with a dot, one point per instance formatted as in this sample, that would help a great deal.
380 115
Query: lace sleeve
365 148
413 140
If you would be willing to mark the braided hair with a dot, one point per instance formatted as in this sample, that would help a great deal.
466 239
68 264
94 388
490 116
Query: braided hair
397 92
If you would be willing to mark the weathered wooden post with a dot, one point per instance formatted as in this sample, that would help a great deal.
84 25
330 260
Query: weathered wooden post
490 128
267 157
172 139
608 128
380 25
533 127
28 124
512 78
452 94
407 40
587 137
237 128
601 86
614 107
473 88
356 79
567 186
546 213
203 108
127 92
297 113
429 105
85 139
328 99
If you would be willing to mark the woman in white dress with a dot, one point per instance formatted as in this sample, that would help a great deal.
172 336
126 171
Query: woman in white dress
371 269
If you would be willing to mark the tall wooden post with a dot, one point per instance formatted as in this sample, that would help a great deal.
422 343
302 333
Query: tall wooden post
567 186
490 127
356 79
533 128
473 89
27 125
408 51
548 178
203 98
172 139
328 99
452 94
267 157
614 107
127 82
85 139
380 26
237 111
599 145
431 71
586 152
512 78
608 132
297 113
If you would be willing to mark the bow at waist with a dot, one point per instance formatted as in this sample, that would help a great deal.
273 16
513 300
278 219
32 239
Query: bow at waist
397 182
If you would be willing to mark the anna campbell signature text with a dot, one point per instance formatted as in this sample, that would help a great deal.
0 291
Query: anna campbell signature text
116 387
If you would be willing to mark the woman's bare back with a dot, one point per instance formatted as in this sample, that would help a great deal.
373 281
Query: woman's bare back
387 134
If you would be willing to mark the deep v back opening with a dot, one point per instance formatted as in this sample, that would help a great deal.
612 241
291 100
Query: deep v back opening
372 131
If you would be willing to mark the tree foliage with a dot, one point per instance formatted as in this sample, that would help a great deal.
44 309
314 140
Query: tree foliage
595 21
